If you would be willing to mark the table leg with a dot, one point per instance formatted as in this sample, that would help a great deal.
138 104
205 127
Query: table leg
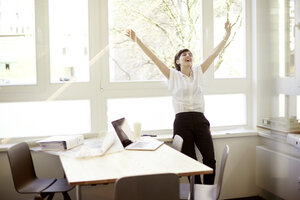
78 192
192 187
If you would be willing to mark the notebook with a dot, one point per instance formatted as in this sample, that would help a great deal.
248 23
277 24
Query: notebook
128 140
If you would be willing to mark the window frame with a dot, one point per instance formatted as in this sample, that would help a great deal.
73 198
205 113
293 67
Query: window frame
99 88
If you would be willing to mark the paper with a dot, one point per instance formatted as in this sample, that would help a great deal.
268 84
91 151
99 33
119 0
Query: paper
90 151
91 147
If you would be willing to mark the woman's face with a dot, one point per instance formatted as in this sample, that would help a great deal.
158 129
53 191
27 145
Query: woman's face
185 59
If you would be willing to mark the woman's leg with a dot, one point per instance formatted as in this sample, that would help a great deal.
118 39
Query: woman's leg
183 127
204 143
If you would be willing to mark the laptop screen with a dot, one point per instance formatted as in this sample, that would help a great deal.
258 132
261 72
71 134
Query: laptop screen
120 127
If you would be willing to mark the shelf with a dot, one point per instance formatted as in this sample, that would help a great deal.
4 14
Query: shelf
278 130
14 35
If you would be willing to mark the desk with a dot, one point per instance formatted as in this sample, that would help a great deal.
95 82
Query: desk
110 167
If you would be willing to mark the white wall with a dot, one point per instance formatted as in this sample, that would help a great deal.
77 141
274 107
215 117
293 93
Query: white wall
239 178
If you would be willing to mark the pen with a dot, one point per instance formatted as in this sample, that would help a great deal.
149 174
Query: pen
149 135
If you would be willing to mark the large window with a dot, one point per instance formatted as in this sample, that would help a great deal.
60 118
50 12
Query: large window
231 62
69 58
286 38
83 72
17 42
165 26
168 26
44 118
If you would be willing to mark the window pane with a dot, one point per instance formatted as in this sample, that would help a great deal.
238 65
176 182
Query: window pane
286 38
226 110
292 37
298 108
24 119
231 62
281 102
17 39
154 113
164 26
68 24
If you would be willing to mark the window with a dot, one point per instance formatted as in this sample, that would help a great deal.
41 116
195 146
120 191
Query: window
17 39
281 103
155 113
164 26
286 38
44 118
69 57
298 107
231 110
231 62
84 72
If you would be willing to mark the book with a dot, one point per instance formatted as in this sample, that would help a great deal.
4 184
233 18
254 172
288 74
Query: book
61 142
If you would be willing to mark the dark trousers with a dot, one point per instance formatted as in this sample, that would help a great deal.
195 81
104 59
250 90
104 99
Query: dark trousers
194 128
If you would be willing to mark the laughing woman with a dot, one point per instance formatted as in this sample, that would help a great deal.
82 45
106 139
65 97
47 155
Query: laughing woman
185 83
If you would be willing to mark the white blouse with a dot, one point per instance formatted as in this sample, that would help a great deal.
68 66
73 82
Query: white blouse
187 91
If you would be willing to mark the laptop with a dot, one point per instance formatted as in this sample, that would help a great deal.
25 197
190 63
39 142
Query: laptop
128 140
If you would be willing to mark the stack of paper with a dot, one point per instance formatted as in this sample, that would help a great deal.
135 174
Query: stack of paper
109 143
61 142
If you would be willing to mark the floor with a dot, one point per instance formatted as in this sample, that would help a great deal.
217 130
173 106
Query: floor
248 198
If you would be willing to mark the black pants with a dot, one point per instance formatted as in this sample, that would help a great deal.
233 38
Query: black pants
194 128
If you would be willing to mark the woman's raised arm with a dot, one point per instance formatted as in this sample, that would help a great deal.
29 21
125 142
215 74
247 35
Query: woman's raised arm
162 67
205 65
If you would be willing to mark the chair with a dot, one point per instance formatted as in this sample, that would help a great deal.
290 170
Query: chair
25 179
148 187
208 192
177 142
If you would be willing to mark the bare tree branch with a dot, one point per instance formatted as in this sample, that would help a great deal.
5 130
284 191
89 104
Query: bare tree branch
119 66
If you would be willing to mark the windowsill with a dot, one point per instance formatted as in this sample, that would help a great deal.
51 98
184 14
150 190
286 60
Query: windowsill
234 133
167 137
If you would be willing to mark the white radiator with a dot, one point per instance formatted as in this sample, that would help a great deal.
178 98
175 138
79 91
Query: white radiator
278 173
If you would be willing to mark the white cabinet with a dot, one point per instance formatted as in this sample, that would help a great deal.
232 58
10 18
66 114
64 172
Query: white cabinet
278 173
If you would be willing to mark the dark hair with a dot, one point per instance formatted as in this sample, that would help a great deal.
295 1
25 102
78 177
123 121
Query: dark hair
177 56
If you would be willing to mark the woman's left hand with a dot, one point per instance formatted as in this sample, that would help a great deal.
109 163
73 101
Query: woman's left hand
228 28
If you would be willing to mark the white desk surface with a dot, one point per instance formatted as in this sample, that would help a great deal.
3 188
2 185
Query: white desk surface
108 168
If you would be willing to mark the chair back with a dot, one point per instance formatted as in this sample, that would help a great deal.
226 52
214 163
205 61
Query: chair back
148 187
221 172
177 142
21 165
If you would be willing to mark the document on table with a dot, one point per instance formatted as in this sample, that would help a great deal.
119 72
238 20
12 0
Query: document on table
91 147
109 145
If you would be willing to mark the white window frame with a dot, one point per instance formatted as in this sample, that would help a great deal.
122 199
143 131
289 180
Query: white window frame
99 89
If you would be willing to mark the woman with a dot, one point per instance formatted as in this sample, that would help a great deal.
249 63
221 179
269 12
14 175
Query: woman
185 84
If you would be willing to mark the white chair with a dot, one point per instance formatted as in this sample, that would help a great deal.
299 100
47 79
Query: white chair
208 192
177 142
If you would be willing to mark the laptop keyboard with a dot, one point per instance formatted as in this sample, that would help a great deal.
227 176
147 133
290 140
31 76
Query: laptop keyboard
140 144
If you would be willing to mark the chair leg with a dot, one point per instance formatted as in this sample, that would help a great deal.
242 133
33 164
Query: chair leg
44 194
66 196
50 196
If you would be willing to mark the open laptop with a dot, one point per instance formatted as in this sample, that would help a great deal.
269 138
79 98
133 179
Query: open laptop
129 142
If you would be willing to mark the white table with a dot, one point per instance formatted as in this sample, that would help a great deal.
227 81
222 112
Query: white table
110 167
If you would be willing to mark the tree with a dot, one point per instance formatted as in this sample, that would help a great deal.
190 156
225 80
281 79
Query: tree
166 26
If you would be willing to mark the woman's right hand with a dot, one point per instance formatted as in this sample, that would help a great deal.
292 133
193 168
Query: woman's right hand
131 34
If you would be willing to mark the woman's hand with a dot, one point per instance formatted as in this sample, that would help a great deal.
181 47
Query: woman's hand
227 29
131 34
